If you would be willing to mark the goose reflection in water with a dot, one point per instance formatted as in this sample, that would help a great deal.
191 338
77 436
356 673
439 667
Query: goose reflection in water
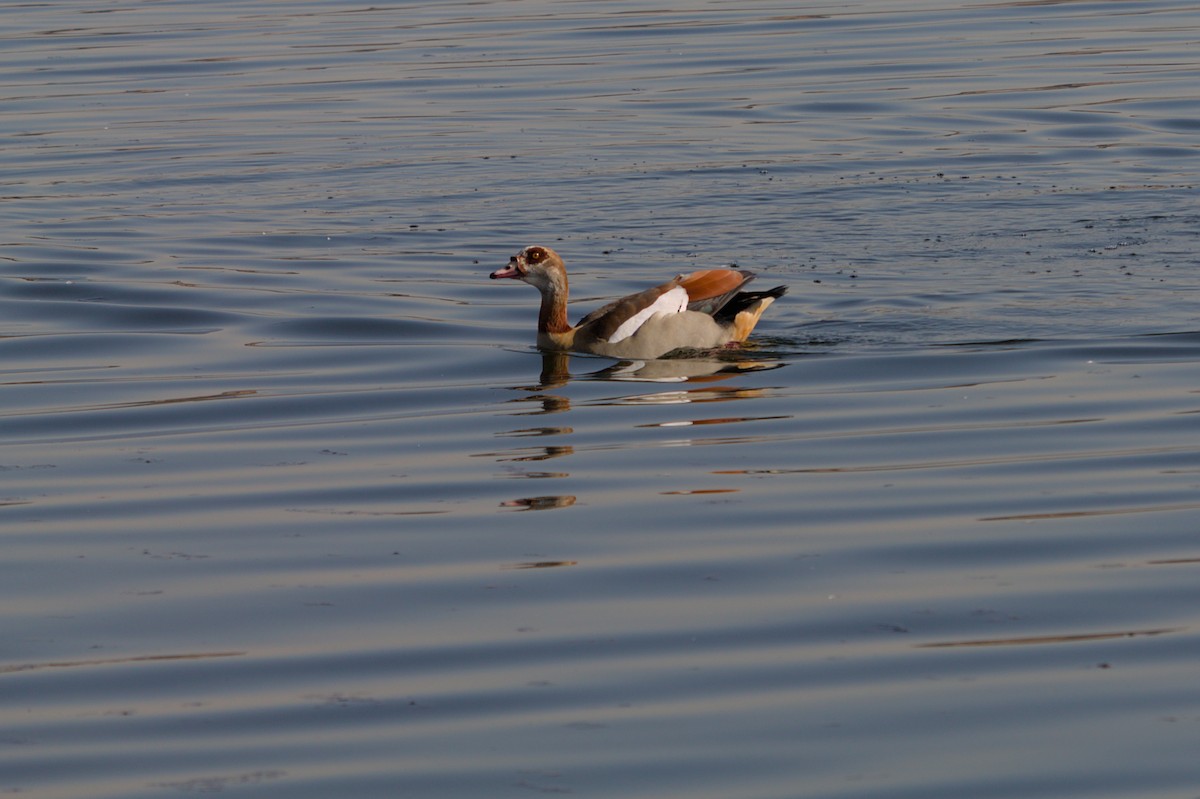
556 370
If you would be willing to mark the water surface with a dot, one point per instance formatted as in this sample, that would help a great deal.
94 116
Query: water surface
291 506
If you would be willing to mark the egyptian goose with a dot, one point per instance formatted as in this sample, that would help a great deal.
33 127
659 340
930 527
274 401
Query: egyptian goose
700 311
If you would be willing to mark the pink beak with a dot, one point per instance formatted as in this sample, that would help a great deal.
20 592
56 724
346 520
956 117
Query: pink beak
508 271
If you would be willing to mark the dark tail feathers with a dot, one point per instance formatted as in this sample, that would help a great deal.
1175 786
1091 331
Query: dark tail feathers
744 300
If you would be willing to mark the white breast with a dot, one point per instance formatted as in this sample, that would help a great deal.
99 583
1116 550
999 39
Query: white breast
670 302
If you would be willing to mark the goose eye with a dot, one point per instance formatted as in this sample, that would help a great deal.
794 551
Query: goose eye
534 254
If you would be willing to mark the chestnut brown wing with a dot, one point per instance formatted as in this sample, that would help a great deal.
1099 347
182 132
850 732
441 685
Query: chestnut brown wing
709 289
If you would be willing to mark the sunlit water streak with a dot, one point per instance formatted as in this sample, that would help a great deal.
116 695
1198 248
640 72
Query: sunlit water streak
291 507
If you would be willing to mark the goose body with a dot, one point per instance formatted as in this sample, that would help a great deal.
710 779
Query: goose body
702 311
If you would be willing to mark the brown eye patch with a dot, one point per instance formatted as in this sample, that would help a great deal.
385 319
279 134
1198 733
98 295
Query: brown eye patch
534 254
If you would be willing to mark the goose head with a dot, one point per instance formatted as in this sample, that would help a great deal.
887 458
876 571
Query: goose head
538 266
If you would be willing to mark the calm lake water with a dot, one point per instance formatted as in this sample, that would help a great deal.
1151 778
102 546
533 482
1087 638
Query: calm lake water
291 507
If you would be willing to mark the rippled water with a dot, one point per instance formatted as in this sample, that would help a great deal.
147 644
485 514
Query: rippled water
290 506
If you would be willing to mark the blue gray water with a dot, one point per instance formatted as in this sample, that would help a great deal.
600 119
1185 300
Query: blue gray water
291 506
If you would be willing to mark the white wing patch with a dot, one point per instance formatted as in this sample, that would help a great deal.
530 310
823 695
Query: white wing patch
669 302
